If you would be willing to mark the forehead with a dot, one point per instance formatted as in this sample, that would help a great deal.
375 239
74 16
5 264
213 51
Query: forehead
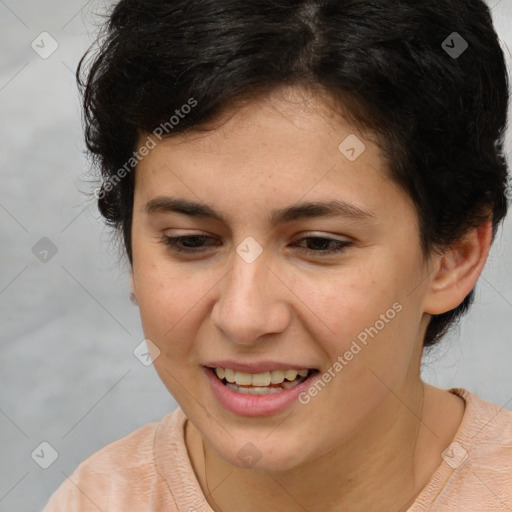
289 146
284 117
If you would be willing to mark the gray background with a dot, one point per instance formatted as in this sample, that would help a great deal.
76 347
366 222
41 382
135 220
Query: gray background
68 375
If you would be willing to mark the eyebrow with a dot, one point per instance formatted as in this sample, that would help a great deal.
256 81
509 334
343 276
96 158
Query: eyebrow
307 210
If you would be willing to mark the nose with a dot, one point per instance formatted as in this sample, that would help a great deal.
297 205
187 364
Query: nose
251 302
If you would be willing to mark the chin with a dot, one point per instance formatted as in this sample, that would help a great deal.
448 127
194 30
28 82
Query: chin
264 455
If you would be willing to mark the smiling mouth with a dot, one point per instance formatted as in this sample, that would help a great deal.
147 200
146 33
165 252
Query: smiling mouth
265 383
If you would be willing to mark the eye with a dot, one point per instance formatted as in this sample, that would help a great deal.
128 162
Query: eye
194 244
190 242
321 244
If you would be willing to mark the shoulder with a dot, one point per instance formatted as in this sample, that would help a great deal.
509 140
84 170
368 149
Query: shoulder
485 423
476 472
121 476
485 435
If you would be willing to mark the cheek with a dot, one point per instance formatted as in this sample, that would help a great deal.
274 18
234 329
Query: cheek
168 299
167 306
171 313
343 305
364 317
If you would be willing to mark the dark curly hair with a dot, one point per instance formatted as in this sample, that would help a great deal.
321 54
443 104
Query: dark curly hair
396 68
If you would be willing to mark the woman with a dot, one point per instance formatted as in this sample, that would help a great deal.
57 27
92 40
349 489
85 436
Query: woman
306 192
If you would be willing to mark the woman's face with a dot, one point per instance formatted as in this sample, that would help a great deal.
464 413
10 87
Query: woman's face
260 292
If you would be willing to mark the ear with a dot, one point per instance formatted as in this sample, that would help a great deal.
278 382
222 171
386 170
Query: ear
133 296
457 270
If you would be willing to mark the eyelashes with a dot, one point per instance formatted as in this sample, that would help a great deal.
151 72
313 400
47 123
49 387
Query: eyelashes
190 244
174 243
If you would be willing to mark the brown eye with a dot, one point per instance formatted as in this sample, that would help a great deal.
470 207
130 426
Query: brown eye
320 245
187 244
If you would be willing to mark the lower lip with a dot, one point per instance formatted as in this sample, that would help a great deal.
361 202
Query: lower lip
256 405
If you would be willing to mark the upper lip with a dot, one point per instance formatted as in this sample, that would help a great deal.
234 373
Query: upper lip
258 367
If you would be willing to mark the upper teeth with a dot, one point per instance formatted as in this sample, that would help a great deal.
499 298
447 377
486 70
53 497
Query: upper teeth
258 379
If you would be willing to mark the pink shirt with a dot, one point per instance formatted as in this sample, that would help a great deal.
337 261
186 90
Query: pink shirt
150 470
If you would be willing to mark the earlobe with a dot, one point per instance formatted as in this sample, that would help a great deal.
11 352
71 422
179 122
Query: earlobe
458 270
133 297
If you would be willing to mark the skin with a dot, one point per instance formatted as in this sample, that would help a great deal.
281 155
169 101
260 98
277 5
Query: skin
373 437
